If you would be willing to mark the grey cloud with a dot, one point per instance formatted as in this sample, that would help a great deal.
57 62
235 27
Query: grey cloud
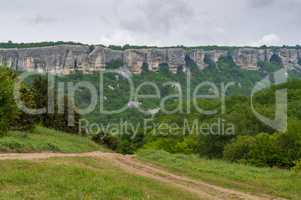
261 3
151 22
39 19
158 16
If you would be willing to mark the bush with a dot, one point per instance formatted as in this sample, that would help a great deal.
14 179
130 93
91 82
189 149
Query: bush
265 151
129 142
185 145
124 143
239 149
297 167
107 140
278 149
212 146
259 150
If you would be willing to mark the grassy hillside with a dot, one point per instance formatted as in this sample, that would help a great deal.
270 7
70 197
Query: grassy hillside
79 178
42 139
272 181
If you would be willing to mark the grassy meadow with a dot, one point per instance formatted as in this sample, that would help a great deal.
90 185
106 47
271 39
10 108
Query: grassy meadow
273 181
79 178
46 140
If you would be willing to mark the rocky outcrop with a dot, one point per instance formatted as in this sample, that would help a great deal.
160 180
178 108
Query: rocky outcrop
176 59
289 57
59 59
248 58
65 59
135 60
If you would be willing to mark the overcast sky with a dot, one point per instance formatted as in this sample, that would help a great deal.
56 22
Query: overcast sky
153 22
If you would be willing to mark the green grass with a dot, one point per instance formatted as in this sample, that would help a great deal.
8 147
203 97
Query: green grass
46 140
79 178
277 182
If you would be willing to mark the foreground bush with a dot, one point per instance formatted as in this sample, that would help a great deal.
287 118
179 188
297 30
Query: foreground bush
123 143
239 149
281 150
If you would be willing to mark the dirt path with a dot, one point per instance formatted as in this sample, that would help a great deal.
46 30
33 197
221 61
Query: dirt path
204 190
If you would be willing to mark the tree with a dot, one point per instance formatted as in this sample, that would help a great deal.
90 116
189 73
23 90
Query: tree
24 121
115 64
208 60
8 108
164 68
56 120
275 59
145 68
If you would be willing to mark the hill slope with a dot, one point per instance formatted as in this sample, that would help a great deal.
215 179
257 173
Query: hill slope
46 140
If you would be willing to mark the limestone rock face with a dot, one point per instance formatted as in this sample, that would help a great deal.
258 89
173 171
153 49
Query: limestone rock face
198 57
65 59
247 58
264 54
215 55
155 57
289 57
135 60
58 59
100 56
176 59
97 59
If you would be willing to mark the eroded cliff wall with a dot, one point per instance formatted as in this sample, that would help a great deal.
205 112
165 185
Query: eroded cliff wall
65 59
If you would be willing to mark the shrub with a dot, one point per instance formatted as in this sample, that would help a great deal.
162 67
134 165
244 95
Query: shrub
280 150
297 167
259 150
265 151
107 140
166 144
212 146
124 143
185 145
129 142
239 149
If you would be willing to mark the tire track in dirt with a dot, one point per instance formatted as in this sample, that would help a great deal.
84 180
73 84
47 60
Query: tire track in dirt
202 189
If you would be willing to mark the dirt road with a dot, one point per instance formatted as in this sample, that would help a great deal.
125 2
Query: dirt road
204 190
